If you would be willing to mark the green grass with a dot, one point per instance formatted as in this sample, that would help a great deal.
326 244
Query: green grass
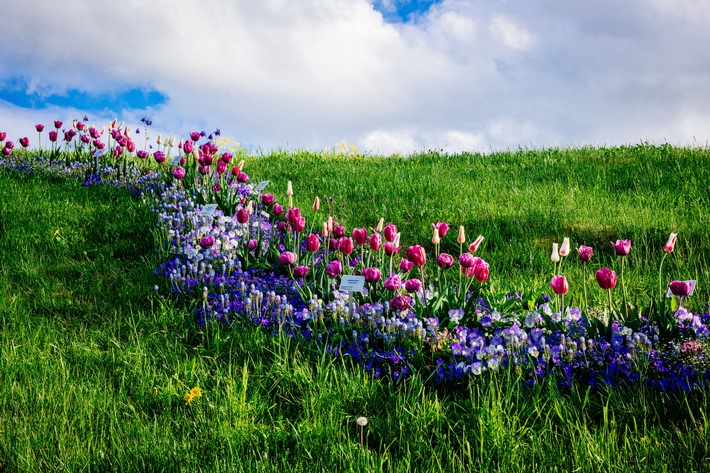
94 364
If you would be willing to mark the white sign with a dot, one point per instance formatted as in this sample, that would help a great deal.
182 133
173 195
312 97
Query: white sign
176 160
692 289
208 210
352 283
261 186
99 152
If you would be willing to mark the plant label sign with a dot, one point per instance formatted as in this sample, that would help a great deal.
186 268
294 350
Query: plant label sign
692 289
176 160
208 210
99 152
352 283
261 186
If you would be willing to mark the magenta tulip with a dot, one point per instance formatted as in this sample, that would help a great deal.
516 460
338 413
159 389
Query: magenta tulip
301 271
441 228
39 127
559 285
57 124
405 265
445 261
417 255
480 271
179 173
278 209
346 245
372 275
360 235
287 258
606 278
3 135
585 253
195 136
333 269
400 302
188 147
242 216
159 157
25 142
207 242
375 242
466 260
680 288
312 243
338 231
390 232
390 249
393 283
622 247
412 285
267 199
52 136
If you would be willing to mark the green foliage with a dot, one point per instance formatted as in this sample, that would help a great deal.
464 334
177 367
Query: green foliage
95 366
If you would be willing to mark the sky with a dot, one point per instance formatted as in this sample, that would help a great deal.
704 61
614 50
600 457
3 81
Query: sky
387 76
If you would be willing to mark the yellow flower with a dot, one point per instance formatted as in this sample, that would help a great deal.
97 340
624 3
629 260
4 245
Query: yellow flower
188 398
56 233
191 395
196 392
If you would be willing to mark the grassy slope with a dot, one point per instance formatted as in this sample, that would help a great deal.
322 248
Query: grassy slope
94 367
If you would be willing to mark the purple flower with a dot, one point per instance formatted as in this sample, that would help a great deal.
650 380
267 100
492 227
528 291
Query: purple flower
585 253
400 302
287 258
159 157
622 247
207 242
412 285
393 283
372 275
333 269
680 288
301 271
445 261
179 173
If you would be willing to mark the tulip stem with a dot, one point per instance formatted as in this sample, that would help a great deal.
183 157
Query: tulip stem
584 285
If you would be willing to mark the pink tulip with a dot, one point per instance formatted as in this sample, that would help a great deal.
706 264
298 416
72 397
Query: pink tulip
188 147
622 247
670 244
3 135
417 255
179 173
278 209
606 278
390 249
316 204
293 214
287 258
372 275
221 167
585 253
559 285
480 271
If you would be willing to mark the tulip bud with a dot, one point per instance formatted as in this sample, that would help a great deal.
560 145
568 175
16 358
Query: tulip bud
435 239
316 204
324 231
564 249
172 141
462 236
250 208
289 189
474 246
330 223
670 244
159 140
555 257
380 225
395 243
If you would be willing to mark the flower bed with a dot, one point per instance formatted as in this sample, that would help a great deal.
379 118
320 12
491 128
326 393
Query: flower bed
253 260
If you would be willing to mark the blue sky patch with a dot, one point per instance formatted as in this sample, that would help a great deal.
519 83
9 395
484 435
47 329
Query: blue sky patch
402 11
115 101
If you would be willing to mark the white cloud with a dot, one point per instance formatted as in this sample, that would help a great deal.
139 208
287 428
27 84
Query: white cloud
298 73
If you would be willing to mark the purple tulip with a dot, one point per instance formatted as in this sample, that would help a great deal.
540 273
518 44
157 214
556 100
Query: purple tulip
242 177
333 269
680 288
622 247
39 127
195 136
405 265
467 260
179 173
188 147
159 157
400 302
585 253
7 151
301 271
267 199
445 260
278 209
85 139
338 231
393 283
207 242
252 244
412 285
